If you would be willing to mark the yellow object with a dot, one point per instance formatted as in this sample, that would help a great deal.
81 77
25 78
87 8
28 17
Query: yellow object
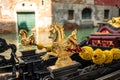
61 48
26 40
109 56
115 22
40 46
87 53
98 56
48 48
116 53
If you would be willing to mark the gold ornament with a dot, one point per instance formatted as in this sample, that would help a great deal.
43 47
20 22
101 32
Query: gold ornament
62 48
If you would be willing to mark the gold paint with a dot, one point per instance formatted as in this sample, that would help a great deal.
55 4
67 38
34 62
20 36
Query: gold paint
115 22
26 40
60 45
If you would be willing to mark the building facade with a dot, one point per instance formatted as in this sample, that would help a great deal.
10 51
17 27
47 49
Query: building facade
35 14
24 14
85 12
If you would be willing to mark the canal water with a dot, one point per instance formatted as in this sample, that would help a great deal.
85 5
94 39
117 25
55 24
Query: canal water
82 33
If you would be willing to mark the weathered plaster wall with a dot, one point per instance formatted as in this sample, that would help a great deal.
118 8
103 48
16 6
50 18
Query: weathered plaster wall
7 19
99 11
60 13
8 9
74 1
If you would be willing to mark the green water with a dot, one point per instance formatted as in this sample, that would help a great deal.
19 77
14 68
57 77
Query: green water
81 35
10 38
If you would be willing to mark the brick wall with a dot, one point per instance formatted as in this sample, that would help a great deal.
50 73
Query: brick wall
107 2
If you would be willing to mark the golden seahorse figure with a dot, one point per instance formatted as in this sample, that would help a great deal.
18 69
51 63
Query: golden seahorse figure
62 48
26 40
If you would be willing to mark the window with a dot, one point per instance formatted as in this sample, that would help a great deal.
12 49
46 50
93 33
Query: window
106 14
42 2
86 13
70 14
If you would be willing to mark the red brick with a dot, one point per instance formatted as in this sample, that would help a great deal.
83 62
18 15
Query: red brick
107 2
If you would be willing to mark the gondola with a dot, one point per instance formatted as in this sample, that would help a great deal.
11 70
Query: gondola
30 66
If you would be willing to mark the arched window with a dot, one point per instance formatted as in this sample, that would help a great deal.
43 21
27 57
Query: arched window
86 13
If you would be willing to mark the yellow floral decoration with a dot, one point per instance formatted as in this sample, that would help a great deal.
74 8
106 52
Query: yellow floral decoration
116 53
87 53
98 56
109 56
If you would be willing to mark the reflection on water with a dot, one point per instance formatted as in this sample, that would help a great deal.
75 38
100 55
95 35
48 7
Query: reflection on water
10 38
82 33
43 37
